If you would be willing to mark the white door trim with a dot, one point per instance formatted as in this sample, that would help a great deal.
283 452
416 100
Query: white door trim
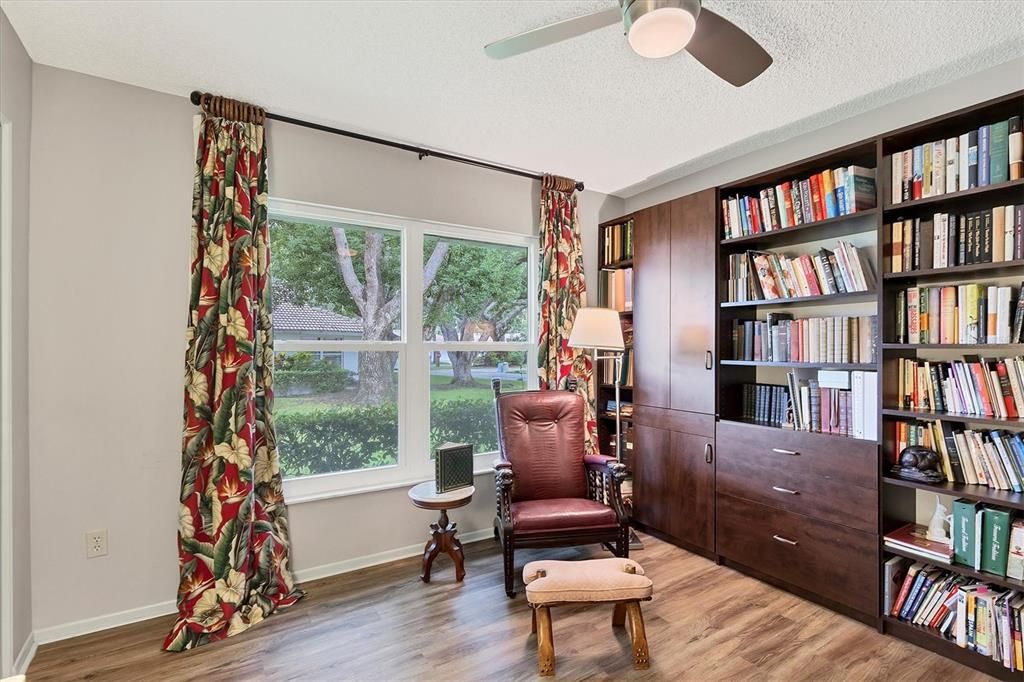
6 407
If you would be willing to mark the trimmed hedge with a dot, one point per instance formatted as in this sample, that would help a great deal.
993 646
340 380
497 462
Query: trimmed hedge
359 437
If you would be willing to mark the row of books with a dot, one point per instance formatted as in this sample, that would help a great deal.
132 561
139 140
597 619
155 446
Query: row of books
780 338
615 288
977 158
835 402
766 404
973 386
992 458
767 275
625 411
618 242
971 613
965 314
828 194
987 538
947 240
606 370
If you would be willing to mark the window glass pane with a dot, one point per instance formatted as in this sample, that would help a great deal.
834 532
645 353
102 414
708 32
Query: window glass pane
336 411
335 281
474 291
461 399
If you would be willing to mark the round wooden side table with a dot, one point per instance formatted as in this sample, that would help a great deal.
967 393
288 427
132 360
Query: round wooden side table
442 537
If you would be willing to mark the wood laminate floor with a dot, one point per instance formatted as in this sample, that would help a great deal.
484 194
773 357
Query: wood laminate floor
706 622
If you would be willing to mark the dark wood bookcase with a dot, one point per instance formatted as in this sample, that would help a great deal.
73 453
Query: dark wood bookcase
801 510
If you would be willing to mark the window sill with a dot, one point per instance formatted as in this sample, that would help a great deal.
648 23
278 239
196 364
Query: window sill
365 490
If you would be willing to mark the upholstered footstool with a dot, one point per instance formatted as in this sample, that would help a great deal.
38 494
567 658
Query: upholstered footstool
607 581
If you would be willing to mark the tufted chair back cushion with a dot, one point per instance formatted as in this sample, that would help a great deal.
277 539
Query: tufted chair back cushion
541 434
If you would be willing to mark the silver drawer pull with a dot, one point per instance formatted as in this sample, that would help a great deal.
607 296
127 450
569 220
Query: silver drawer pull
787 541
785 452
785 490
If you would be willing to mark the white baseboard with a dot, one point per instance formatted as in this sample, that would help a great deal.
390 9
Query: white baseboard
326 570
113 620
25 656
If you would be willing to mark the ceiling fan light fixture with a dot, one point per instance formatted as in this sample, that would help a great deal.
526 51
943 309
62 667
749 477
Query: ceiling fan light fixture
660 28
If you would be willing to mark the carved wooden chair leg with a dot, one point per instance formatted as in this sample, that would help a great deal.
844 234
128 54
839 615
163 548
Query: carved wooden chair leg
641 655
619 615
545 642
508 552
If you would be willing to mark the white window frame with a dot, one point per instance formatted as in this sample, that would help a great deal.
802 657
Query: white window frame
414 463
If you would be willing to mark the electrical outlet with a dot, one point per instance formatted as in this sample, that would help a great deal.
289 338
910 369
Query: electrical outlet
95 543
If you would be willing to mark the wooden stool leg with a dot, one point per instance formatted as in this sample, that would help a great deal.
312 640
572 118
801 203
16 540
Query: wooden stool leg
619 615
533 621
641 656
545 642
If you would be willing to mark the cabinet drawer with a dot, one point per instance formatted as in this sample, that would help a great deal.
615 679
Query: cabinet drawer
833 561
846 461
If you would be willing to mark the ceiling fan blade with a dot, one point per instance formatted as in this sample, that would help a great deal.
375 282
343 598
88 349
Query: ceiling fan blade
552 33
726 50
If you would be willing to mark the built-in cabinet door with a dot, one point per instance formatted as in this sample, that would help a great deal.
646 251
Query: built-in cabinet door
652 254
693 304
674 484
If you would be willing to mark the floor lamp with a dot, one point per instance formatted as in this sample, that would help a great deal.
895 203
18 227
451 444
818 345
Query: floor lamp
599 329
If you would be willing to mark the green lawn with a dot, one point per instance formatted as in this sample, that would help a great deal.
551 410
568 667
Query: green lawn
441 391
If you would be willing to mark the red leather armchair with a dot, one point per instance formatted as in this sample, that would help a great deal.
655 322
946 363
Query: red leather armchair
549 493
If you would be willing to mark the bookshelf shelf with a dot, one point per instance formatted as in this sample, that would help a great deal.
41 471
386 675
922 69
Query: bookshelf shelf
812 434
618 265
995 191
612 386
980 493
923 637
974 419
975 347
805 300
611 416
961 569
807 365
1013 267
820 229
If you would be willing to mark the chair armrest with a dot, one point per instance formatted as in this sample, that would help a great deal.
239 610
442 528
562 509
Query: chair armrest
503 480
606 464
503 474
598 461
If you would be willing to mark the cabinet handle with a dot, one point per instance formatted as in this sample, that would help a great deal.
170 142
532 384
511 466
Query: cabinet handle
707 452
709 360
787 541
785 452
785 490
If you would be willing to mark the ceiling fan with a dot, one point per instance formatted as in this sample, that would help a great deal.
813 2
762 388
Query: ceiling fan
655 29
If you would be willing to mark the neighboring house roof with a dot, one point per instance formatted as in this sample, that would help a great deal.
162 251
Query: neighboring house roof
300 318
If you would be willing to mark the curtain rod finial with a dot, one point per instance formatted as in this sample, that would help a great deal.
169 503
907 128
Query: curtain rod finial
195 97
579 186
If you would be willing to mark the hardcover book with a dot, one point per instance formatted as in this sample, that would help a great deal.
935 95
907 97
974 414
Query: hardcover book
995 540
453 467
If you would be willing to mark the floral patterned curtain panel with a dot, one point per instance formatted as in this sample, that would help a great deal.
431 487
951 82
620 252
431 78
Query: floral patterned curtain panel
233 524
563 291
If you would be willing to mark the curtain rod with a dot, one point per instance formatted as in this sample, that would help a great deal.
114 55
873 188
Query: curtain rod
197 96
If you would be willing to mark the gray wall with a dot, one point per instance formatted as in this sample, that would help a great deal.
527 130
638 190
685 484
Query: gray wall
984 85
16 106
112 171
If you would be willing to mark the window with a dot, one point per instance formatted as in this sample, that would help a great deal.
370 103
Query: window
361 400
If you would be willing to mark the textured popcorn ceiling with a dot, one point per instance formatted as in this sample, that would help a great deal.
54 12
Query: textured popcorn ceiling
588 108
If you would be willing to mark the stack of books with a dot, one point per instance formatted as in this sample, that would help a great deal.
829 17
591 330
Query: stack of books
618 242
615 288
780 338
964 314
834 402
625 412
973 386
976 158
971 613
993 458
828 194
947 240
766 275
913 539
988 538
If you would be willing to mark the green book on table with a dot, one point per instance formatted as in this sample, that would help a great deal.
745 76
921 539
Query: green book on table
964 536
995 540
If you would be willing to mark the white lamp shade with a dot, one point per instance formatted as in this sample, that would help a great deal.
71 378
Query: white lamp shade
597 328
661 32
